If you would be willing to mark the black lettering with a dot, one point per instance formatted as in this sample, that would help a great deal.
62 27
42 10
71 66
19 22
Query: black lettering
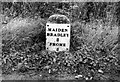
53 29
55 34
57 44
62 30
64 35
50 44
51 34
53 44
67 35
66 30
64 44
59 30
48 34
56 29
57 39
57 49
58 34
49 29
60 44
61 34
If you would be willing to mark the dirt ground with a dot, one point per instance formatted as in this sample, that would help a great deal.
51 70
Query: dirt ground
34 76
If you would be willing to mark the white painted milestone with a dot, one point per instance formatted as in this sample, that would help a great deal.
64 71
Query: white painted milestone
58 34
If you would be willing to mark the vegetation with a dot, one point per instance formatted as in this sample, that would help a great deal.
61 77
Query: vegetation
94 51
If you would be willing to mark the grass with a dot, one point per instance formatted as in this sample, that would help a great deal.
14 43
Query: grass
92 49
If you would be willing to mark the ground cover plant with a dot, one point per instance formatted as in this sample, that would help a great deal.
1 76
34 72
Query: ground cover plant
94 50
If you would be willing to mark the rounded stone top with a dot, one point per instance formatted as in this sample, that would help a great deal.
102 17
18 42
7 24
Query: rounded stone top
58 19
